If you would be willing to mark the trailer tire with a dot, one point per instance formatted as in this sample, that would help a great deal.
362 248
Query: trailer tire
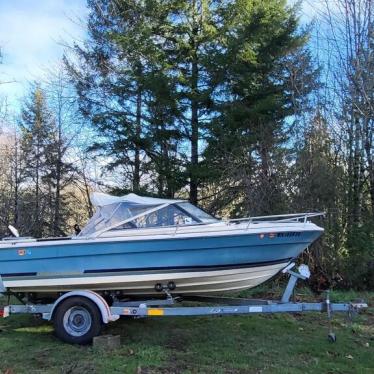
77 320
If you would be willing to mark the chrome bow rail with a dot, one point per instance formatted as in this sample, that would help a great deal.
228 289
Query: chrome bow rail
279 218
294 217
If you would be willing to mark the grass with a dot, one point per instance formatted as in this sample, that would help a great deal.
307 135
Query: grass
243 344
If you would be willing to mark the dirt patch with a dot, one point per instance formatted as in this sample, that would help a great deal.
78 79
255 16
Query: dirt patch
78 367
177 340
166 370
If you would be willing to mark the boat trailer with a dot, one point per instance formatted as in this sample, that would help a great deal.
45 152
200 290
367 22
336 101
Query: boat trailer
79 315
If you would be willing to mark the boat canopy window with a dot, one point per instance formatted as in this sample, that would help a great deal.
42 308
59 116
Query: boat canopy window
170 215
197 212
110 215
116 213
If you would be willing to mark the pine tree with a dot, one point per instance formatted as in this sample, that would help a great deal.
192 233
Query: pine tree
191 40
165 79
61 171
110 83
248 140
134 47
37 128
315 181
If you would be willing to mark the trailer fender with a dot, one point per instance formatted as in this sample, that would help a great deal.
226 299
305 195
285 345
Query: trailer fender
99 301
2 287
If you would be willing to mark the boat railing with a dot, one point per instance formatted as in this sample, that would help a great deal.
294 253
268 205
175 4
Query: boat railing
293 217
278 218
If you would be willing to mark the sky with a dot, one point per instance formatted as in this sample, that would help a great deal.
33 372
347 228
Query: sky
32 34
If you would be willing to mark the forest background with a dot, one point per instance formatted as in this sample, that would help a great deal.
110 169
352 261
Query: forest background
235 105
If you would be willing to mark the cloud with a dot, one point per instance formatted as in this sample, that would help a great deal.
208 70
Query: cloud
30 32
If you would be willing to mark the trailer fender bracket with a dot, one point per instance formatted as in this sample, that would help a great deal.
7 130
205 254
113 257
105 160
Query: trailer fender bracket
99 301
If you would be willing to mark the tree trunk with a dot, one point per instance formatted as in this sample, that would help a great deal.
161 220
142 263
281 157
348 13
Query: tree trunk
87 193
194 130
136 176
368 146
163 171
37 232
16 182
56 223
357 183
265 205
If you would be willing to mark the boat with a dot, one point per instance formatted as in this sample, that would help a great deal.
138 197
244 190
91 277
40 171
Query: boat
134 246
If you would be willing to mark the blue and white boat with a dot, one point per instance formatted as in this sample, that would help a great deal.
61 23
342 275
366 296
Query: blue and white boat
135 246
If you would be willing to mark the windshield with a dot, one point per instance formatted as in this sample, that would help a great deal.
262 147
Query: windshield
132 215
170 215
111 215
197 212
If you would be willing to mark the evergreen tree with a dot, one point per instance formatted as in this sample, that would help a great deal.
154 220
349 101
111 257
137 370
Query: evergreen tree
61 172
315 181
164 137
165 79
133 49
191 40
42 209
110 81
37 128
260 94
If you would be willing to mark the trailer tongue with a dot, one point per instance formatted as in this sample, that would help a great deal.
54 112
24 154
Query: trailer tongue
79 315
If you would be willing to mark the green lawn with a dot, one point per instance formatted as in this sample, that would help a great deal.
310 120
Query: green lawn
243 344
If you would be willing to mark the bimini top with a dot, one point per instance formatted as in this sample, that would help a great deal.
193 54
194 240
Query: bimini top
137 212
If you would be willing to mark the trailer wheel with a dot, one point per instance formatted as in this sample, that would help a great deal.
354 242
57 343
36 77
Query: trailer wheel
77 320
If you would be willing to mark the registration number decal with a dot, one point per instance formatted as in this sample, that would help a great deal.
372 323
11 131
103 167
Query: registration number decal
288 234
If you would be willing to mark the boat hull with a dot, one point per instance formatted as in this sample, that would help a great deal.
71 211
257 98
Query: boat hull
197 265
199 281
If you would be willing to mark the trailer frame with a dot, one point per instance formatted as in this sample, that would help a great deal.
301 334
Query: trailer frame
83 314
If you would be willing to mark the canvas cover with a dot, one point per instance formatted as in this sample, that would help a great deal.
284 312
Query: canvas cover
133 211
100 199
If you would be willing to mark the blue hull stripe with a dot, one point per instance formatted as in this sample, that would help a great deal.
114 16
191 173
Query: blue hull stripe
17 275
194 268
